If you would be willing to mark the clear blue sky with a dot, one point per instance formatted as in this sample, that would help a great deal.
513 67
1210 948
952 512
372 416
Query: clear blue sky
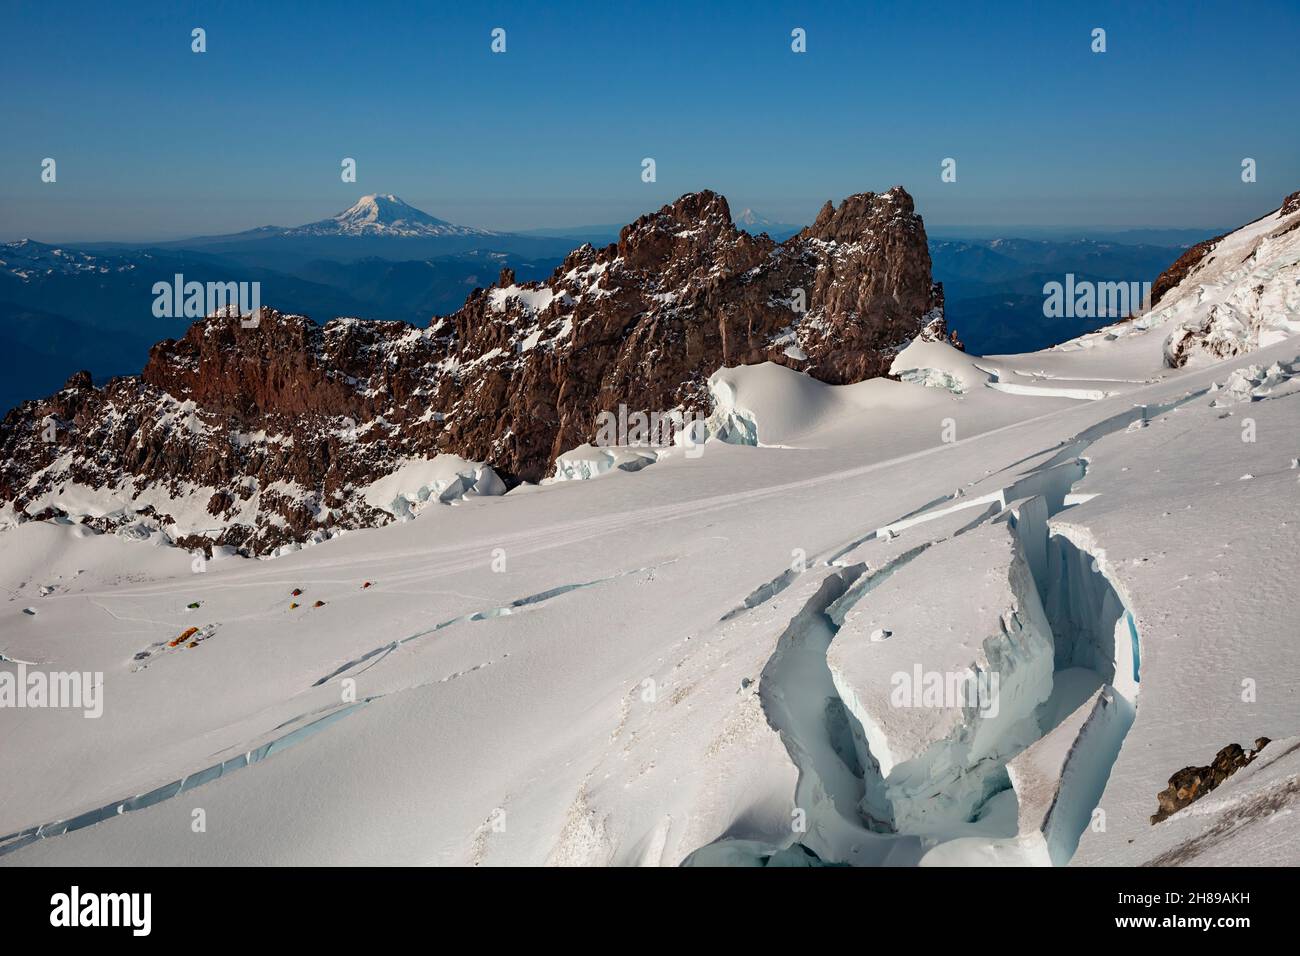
154 141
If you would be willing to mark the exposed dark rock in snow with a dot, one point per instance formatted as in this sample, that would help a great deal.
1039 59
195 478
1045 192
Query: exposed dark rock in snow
1191 783
1183 265
267 435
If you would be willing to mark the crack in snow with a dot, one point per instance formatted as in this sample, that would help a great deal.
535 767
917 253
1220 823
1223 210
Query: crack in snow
839 784
22 838
501 610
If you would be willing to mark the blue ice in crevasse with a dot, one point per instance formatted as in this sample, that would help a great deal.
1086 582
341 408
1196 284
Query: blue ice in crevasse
1133 634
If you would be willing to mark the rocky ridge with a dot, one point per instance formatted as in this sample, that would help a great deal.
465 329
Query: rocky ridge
257 438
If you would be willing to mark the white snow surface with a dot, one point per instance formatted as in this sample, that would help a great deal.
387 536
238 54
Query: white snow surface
674 664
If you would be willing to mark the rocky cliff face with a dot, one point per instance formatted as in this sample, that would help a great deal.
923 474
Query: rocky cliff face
259 437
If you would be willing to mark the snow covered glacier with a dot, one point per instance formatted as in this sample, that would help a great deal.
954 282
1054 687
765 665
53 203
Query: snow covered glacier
977 615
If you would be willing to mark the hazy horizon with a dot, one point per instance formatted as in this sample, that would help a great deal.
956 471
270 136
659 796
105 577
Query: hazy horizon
503 216
154 141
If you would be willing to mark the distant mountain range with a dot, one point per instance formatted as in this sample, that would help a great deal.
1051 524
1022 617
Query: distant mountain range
519 373
994 287
63 308
376 226
89 306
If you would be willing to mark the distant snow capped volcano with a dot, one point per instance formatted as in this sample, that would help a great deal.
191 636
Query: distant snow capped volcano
383 215
755 222
747 217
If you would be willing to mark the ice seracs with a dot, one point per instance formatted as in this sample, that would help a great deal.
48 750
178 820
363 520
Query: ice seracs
418 482
1058 780
952 694
591 461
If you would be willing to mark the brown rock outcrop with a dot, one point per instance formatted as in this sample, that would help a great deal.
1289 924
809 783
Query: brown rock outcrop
1192 783
278 428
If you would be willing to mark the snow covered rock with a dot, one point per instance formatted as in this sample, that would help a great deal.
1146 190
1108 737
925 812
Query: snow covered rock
1226 296
1234 294
271 430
